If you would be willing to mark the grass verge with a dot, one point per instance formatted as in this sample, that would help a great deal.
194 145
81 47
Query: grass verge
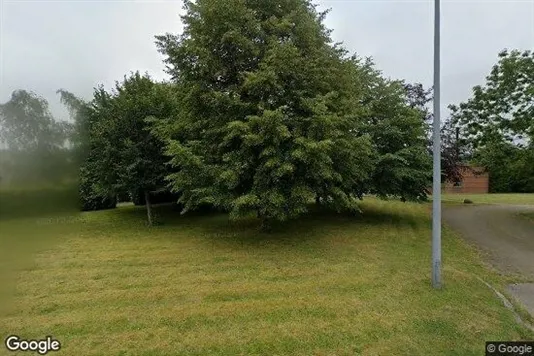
197 285
512 198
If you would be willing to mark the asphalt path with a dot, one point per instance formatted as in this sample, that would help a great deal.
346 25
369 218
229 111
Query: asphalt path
506 237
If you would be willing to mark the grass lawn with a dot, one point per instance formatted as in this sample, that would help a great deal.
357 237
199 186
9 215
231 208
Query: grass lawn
511 198
199 285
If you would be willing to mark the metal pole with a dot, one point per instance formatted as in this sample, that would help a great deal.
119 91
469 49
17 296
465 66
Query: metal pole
436 188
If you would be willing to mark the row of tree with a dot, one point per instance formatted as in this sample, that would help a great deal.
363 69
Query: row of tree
269 115
264 113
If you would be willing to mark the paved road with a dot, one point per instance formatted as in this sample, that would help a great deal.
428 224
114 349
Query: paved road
497 229
507 238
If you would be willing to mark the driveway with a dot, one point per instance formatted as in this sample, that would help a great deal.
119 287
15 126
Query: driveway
506 237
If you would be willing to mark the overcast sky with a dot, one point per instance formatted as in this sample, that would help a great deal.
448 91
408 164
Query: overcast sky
76 45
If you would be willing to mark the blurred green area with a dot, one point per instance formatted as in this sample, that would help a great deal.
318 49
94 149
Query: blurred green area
24 202
33 198
28 225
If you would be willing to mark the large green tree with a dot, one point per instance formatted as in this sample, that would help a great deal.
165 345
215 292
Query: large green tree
498 122
269 113
396 118
502 109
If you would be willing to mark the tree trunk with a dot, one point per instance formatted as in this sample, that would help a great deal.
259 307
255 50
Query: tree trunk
317 200
148 208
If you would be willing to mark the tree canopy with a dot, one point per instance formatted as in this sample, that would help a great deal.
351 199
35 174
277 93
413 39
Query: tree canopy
502 109
128 158
497 122
395 117
270 112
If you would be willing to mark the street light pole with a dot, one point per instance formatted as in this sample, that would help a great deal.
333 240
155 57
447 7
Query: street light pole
436 188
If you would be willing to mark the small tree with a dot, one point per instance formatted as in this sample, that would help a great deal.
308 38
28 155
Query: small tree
396 119
130 158
455 149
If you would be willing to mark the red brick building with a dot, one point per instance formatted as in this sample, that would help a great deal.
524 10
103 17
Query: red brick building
474 181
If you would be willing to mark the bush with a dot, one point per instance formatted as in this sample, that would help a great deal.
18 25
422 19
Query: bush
90 200
511 168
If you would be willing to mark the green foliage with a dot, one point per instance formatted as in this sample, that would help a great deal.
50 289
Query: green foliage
91 197
396 119
268 117
503 109
33 144
120 134
498 121
456 150
511 168
126 158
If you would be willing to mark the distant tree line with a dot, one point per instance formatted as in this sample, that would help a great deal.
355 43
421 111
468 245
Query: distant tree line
264 114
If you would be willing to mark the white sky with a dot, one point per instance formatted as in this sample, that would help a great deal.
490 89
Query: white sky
76 45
